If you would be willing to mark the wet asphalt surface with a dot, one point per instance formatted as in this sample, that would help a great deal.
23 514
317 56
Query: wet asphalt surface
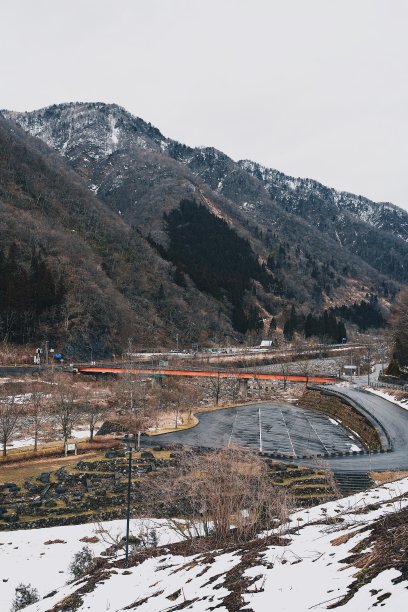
270 427
294 432
393 419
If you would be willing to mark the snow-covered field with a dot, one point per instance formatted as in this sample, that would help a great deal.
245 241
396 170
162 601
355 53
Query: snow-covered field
79 433
34 557
306 573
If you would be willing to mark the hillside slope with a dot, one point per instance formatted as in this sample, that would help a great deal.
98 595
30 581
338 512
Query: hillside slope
116 286
310 246
350 553
140 173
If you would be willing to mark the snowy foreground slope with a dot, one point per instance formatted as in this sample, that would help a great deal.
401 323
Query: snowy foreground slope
310 565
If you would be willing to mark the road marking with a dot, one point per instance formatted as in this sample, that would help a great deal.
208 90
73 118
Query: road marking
232 428
317 435
288 432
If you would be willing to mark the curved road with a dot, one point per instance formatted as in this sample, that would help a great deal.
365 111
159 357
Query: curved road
292 431
394 420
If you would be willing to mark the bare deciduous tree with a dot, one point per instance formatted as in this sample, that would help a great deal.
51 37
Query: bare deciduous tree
10 418
38 415
93 413
215 386
225 494
65 411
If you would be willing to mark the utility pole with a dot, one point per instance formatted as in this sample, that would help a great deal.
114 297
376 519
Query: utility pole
369 365
351 366
382 354
128 505
46 352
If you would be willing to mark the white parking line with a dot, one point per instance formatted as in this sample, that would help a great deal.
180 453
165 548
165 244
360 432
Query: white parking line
288 432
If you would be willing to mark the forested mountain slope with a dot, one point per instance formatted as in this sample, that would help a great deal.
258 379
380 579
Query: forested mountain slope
310 245
100 281
131 166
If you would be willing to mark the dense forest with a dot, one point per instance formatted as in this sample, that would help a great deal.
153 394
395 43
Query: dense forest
330 325
364 314
325 326
27 296
218 261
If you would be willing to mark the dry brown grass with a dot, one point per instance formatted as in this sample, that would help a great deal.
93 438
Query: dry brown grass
344 538
384 477
55 450
349 417
19 472
89 539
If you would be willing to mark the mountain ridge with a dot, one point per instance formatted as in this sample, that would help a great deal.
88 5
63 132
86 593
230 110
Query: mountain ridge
319 248
272 177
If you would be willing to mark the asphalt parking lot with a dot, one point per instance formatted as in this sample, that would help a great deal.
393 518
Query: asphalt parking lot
295 432
270 427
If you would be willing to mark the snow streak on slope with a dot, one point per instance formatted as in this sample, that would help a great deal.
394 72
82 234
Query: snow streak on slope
301 194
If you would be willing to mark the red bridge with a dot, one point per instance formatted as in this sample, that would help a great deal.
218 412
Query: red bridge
205 374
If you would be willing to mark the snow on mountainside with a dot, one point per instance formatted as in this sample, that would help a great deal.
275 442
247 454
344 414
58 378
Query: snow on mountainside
140 174
350 552
102 129
99 128
293 192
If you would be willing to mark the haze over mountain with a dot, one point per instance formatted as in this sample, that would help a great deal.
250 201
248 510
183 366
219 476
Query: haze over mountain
293 241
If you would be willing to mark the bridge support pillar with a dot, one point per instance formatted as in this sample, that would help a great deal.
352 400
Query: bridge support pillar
243 388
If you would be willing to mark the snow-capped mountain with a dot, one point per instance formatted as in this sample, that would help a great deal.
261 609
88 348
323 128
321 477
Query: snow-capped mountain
310 198
320 247
90 134
100 129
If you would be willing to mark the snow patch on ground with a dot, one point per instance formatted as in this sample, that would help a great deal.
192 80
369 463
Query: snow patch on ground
307 573
389 397
333 421
26 557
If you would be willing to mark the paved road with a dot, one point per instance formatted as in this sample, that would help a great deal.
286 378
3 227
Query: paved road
279 427
394 420
363 380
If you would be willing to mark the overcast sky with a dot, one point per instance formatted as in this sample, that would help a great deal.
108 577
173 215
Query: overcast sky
314 88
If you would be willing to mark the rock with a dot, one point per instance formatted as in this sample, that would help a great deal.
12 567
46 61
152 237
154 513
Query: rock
110 427
50 503
147 455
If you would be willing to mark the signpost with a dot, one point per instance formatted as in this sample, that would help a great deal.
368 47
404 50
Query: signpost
70 447
351 368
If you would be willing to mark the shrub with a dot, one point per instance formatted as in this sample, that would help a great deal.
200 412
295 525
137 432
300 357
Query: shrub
25 595
82 563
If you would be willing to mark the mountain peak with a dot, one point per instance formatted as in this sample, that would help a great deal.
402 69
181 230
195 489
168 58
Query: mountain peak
99 127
